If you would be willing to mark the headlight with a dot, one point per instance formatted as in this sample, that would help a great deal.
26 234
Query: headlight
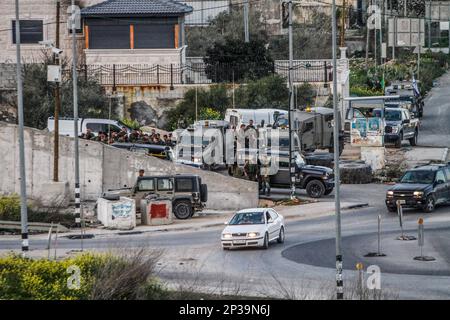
418 194
227 235
252 234
390 193
394 129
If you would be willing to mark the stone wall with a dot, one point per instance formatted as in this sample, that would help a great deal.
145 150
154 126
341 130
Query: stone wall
101 168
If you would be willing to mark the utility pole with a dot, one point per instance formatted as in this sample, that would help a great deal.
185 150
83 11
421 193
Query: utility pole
23 183
291 104
246 30
343 18
339 282
78 211
57 102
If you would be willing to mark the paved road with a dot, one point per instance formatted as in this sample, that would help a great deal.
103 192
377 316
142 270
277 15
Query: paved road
195 257
435 128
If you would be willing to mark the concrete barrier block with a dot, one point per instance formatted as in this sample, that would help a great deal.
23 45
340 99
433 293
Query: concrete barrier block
53 194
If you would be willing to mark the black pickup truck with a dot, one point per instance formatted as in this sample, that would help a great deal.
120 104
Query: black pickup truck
423 187
316 180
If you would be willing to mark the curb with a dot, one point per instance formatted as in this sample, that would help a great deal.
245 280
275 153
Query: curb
354 206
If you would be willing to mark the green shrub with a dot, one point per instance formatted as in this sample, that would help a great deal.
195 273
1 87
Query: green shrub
10 208
102 276
360 91
10 211
130 123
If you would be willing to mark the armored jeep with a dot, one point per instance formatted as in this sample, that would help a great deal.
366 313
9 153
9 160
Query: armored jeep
315 128
186 191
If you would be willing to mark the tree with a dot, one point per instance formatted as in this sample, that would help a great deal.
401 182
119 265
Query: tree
268 92
311 41
39 101
210 103
236 59
227 25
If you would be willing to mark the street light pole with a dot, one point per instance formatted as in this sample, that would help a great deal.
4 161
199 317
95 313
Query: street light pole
246 30
23 183
291 104
57 103
78 211
339 282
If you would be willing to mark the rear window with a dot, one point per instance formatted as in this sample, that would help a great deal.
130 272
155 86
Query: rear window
184 185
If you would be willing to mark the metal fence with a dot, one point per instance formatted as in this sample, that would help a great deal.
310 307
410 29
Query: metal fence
197 72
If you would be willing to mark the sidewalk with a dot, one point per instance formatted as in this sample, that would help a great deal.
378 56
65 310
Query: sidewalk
216 219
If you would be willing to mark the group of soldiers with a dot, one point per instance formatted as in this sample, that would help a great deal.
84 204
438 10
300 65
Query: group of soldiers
136 136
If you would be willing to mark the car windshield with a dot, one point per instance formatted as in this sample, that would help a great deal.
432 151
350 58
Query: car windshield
393 115
247 218
421 177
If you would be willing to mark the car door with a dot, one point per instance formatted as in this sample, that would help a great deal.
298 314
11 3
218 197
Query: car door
143 187
447 194
408 132
282 176
277 222
440 186
271 225
164 187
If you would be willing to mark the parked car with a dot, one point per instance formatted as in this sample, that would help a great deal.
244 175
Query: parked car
423 187
400 125
66 126
255 227
316 180
187 192
407 93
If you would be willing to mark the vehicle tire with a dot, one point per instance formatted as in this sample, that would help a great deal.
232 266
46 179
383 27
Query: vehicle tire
430 204
391 209
328 191
266 241
182 209
315 188
413 140
355 172
281 236
398 143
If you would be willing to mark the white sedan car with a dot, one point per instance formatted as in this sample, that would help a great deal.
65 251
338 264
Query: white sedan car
254 227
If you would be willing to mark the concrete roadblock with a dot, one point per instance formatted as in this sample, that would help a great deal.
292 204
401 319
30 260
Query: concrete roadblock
156 211
117 214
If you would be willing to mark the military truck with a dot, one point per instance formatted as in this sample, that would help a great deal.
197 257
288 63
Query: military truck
315 128
407 92
187 192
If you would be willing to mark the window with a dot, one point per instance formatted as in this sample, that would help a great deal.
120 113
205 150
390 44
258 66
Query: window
447 172
31 31
109 36
146 185
184 185
95 127
308 127
148 36
273 215
440 176
165 184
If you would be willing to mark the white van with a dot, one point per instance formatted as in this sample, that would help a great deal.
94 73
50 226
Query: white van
237 117
66 126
